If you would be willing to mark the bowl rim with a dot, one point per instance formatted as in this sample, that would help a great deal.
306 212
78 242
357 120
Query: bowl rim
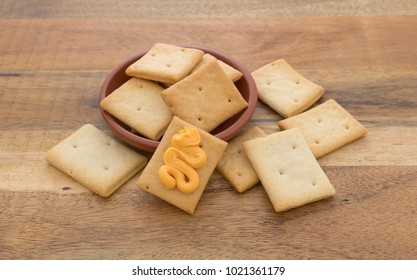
150 145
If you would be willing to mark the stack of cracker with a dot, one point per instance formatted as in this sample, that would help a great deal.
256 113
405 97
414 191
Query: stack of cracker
175 81
285 162
172 89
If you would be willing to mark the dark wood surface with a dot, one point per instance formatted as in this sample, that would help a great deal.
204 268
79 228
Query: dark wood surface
53 60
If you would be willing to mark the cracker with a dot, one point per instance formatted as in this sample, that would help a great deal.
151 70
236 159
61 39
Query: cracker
96 160
231 72
165 63
138 104
288 170
284 90
149 179
235 165
205 98
326 127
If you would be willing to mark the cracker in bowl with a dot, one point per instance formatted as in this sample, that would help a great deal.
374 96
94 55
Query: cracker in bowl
205 98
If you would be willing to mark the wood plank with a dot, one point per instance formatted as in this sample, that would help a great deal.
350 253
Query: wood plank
370 201
331 43
39 100
202 8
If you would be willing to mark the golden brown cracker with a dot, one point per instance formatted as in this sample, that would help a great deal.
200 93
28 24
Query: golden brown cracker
326 127
165 63
284 90
235 165
150 181
205 98
96 160
288 170
138 104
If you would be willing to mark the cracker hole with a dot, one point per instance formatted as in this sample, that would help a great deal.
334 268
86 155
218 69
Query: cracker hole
183 50
314 184
169 65
138 109
268 83
201 145
153 54
229 100
295 100
297 82
273 64
319 120
281 172
317 141
294 147
108 143
105 167
200 89
147 187
141 86
239 151
199 119
347 126
239 174
75 146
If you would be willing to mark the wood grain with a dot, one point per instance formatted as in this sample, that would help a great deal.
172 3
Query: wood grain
203 8
51 70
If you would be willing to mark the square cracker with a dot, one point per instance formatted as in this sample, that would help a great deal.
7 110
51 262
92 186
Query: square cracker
165 63
326 127
231 72
138 104
149 179
284 90
96 160
205 98
235 165
288 170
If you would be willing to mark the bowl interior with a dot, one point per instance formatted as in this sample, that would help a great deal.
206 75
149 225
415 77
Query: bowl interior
224 131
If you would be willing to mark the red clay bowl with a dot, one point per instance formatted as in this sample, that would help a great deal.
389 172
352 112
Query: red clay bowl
225 131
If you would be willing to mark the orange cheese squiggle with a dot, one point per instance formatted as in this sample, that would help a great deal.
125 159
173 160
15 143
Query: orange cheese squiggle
181 159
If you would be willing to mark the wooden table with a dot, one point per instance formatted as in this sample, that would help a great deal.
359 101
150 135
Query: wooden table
53 60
